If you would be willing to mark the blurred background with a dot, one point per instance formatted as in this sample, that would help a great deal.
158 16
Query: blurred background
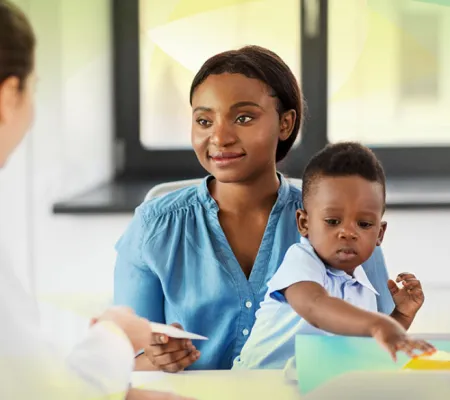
113 120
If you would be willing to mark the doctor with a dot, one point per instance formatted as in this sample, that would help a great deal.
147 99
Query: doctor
100 366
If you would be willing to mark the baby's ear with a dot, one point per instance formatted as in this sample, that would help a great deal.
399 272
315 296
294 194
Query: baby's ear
302 222
381 233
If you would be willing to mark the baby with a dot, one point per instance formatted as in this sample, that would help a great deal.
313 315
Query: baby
321 287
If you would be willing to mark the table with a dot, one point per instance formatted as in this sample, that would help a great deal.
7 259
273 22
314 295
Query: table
221 385
270 385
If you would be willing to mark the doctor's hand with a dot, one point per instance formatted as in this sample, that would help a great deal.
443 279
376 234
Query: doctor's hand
138 330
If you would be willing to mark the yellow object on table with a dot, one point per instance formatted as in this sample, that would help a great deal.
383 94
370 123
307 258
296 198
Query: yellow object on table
440 360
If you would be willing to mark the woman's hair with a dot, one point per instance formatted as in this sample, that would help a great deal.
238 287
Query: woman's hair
17 43
262 64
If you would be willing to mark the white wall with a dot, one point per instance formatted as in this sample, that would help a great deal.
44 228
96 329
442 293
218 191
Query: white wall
418 241
72 136
71 257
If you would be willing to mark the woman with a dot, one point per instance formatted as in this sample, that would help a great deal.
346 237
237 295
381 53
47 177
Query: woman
202 256
28 366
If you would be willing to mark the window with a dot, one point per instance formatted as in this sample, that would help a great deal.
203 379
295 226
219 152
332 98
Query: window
421 57
389 85
176 37
375 71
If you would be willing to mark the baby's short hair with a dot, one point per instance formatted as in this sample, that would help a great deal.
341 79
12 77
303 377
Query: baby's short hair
343 159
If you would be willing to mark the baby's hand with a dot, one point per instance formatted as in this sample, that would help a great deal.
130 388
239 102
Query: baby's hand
410 297
393 337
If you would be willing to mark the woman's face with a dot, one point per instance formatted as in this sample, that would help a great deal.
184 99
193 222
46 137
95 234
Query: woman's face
236 127
16 113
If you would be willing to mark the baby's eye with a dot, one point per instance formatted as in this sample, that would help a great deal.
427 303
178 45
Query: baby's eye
332 221
365 224
243 119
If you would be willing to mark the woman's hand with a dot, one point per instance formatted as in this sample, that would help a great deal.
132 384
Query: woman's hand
393 337
169 354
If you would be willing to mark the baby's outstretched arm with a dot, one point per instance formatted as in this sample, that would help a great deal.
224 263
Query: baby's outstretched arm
312 302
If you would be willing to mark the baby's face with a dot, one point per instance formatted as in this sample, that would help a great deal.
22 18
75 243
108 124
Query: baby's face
343 220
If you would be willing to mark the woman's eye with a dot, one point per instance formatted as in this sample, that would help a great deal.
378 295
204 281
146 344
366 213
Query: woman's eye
243 119
365 224
203 122
332 221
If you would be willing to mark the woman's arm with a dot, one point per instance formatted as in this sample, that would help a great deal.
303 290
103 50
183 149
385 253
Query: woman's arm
136 285
140 289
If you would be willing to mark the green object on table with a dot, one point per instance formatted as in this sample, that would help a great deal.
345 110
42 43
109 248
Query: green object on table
435 2
320 358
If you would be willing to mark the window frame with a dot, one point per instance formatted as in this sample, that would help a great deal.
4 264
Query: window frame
133 161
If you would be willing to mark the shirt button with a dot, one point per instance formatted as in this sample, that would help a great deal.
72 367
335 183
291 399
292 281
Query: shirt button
245 332
248 304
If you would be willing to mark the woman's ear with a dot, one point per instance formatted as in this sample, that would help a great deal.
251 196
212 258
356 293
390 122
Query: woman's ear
381 233
302 222
287 122
9 98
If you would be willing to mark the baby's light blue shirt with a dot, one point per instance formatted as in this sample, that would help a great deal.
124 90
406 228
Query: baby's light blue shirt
272 341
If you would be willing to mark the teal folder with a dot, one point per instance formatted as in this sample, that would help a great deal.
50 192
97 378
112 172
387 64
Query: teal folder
322 358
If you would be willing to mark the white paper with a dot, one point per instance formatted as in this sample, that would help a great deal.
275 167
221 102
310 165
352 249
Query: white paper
437 356
174 332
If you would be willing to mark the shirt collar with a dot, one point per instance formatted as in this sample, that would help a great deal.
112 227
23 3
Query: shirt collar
204 195
305 242
359 274
207 200
361 277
